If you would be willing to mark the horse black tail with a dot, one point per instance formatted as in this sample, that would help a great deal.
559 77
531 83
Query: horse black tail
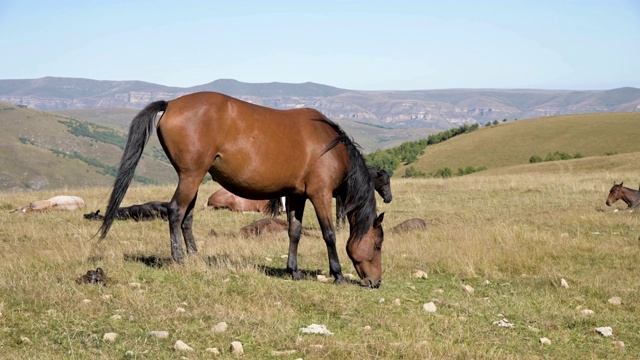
139 133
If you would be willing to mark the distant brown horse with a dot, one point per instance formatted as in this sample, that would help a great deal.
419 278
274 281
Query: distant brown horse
224 199
260 153
631 197
414 224
265 226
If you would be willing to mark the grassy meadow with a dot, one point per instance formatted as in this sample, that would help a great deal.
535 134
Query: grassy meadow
512 237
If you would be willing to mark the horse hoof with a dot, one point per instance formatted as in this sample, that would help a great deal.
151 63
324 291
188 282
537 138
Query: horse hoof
296 275
340 281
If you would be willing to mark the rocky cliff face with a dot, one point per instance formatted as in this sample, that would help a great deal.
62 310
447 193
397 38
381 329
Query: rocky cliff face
441 109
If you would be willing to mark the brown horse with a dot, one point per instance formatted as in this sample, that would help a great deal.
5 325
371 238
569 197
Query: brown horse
224 199
619 192
381 183
260 153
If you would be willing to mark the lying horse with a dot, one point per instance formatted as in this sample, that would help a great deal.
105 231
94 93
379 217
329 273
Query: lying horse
414 224
62 202
260 153
148 211
619 192
265 226
224 199
382 184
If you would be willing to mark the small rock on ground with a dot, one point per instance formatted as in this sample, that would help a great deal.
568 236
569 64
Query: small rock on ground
545 341
182 346
110 337
159 334
220 327
236 348
430 307
615 301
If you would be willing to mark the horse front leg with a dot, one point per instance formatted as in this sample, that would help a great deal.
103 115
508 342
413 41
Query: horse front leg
295 210
322 205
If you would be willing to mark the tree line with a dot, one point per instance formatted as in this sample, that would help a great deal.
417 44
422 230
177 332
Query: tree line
408 152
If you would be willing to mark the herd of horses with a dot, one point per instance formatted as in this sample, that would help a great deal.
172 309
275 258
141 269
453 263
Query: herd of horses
261 156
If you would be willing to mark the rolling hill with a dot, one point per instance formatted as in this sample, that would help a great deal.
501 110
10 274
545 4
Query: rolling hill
514 143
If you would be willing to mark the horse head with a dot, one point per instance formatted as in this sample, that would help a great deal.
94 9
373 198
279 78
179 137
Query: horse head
366 254
381 182
615 193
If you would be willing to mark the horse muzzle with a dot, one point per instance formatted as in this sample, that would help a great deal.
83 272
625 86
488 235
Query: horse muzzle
367 282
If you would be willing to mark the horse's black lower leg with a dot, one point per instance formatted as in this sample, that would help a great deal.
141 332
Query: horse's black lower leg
323 211
335 269
187 228
175 231
295 210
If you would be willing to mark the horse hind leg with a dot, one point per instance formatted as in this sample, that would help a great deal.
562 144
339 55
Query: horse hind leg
187 228
295 211
180 213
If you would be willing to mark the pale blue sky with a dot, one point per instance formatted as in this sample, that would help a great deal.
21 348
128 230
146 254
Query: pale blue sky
362 45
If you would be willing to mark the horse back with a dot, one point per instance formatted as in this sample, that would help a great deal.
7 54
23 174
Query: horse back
253 151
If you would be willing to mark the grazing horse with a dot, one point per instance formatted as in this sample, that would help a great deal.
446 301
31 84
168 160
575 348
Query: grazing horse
61 202
260 153
382 184
619 192
148 211
224 199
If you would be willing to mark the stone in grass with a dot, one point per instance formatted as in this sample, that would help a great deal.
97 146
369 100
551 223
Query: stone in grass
420 274
283 352
605 331
182 346
430 307
316 329
545 341
564 284
109 337
159 334
587 312
214 351
615 301
220 327
504 323
468 289
236 348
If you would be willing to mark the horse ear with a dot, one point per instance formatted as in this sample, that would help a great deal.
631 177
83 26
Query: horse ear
621 183
378 221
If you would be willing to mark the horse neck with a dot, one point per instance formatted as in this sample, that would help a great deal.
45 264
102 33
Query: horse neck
629 196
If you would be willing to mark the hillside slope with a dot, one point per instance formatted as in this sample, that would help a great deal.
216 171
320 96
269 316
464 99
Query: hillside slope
39 150
514 143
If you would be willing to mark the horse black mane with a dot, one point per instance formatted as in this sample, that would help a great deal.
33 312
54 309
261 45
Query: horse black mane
360 202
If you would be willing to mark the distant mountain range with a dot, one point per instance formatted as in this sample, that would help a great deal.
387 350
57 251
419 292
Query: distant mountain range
437 109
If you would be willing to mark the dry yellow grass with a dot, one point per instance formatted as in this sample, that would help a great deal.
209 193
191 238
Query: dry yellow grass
522 233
